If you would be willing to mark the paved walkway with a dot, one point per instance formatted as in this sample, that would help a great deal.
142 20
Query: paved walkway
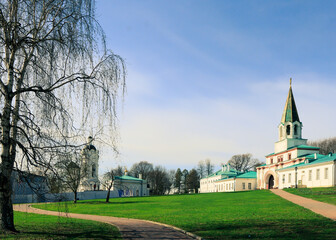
325 209
129 228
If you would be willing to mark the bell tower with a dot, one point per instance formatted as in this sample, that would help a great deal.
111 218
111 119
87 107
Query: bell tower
290 127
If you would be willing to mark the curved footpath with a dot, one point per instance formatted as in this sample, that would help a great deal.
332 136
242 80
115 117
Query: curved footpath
324 209
129 228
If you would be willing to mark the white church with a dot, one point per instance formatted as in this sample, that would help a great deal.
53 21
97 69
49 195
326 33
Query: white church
293 163
123 186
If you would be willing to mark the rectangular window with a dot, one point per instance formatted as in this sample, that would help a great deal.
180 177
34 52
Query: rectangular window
317 174
271 160
289 177
243 185
250 186
326 173
310 175
289 156
283 178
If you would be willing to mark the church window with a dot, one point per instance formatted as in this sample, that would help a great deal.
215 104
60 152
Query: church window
317 174
310 175
249 186
288 129
289 156
93 170
326 173
289 177
295 129
243 185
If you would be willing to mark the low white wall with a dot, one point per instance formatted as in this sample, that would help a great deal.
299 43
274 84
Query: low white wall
68 196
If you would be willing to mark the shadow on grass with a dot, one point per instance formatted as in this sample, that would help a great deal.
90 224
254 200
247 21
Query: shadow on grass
277 229
111 202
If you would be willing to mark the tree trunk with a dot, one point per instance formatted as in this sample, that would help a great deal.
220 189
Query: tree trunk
108 195
6 207
75 199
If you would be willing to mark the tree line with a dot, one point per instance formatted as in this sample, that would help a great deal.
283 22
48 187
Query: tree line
326 145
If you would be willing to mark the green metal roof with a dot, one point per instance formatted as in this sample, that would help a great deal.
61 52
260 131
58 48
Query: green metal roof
128 178
297 146
304 147
232 172
324 158
250 174
290 113
311 156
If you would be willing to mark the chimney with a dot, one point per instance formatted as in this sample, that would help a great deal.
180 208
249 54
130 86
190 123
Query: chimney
140 176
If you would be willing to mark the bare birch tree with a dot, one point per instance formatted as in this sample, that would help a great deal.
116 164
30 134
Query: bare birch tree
326 145
108 180
54 67
243 162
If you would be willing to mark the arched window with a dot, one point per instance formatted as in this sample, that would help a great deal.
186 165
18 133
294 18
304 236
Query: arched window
288 129
295 129
93 170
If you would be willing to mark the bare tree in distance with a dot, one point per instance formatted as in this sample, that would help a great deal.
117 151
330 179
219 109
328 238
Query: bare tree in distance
70 171
326 145
243 162
201 169
171 177
178 180
209 167
159 180
185 174
193 182
107 181
143 167
54 67
119 170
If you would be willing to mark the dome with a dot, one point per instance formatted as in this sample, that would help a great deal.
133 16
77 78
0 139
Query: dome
89 147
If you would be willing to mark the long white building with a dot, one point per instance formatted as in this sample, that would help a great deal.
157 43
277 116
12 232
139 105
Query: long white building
228 180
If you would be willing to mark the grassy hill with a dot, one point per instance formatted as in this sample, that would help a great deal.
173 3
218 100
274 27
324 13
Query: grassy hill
240 215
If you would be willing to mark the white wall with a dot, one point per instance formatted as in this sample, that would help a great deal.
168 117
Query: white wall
303 173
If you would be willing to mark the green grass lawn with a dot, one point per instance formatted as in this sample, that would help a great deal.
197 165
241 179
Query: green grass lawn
240 215
327 195
35 226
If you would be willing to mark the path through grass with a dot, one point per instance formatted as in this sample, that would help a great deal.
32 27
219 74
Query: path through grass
327 195
36 226
240 215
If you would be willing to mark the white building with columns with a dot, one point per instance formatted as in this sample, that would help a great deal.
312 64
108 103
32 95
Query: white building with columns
293 163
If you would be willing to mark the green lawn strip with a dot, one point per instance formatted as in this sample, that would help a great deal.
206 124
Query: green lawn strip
240 215
327 195
36 226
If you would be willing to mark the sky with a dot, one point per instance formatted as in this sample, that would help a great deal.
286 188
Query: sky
209 79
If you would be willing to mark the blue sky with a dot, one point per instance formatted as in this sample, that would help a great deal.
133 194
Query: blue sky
209 79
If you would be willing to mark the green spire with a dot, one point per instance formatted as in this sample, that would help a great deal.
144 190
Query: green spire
290 113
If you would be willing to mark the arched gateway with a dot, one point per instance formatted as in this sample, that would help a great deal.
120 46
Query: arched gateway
271 182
